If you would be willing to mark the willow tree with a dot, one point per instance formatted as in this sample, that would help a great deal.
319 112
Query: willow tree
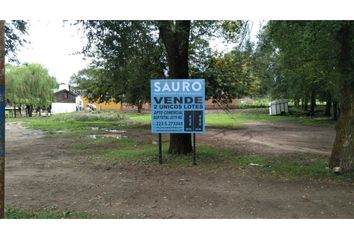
30 85
113 44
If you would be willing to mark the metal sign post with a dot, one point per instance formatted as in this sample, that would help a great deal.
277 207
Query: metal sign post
177 106
160 148
194 160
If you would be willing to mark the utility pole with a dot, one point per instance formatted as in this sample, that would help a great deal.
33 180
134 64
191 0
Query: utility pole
2 118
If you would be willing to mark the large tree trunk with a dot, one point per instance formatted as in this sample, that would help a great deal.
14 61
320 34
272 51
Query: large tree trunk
2 117
175 37
343 148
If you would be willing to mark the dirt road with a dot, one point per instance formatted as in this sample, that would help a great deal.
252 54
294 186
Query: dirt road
42 173
275 138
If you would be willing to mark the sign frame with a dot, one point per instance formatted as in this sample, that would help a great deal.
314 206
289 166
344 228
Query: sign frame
177 105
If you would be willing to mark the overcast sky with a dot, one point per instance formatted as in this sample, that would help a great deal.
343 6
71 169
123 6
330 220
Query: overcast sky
55 45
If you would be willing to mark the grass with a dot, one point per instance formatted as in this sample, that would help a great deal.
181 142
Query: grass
132 151
79 124
17 213
234 120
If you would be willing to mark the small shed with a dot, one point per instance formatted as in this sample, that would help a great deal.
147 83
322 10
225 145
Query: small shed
64 96
65 101
278 107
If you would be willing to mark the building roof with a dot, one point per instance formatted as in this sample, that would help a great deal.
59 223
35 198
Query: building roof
64 90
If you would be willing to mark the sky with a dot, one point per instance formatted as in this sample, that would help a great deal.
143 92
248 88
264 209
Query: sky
56 44
53 44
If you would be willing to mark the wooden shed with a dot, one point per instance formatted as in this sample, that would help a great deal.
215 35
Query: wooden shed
65 96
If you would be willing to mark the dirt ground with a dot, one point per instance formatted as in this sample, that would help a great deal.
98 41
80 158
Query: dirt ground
274 138
43 173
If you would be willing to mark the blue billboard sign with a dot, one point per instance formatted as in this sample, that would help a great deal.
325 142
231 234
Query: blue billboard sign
177 106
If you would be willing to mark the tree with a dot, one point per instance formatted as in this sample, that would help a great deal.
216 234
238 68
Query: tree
230 75
14 32
126 55
314 60
30 85
343 149
175 38
115 43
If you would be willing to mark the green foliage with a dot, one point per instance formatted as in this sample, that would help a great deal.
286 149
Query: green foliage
299 59
127 55
130 53
230 76
14 32
29 84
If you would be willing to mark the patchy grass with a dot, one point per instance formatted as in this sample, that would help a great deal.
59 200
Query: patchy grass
138 150
17 213
144 118
135 151
234 120
80 124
